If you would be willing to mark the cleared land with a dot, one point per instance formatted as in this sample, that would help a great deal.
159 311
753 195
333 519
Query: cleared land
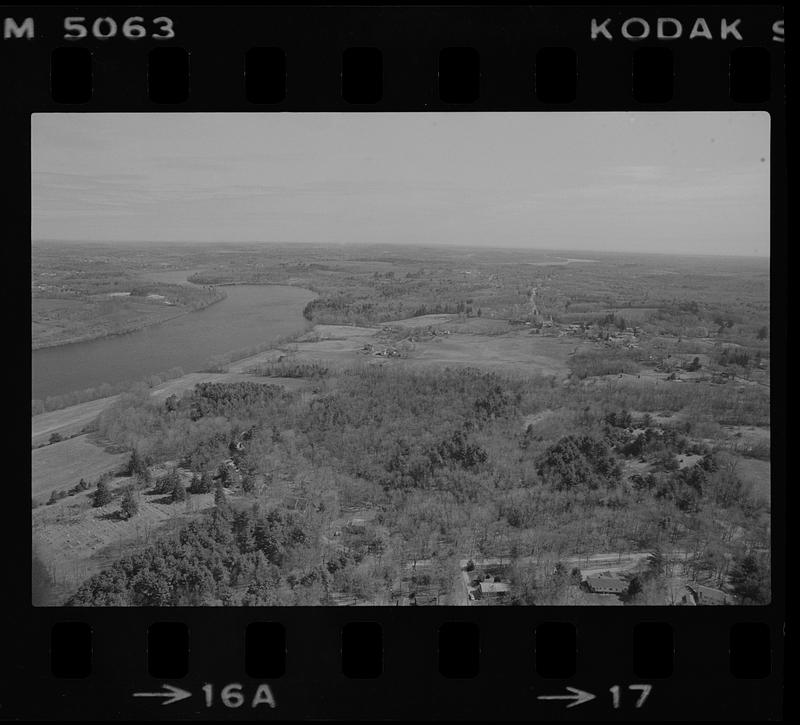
62 465
514 352
67 421
76 540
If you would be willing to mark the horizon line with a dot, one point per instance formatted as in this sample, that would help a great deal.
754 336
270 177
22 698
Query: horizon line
430 247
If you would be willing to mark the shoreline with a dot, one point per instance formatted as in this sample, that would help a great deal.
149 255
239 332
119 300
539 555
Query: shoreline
126 331
224 359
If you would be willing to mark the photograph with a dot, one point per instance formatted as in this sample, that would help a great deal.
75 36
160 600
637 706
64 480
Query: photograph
400 359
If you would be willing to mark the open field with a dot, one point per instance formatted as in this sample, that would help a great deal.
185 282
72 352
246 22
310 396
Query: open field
520 353
76 540
515 351
424 321
62 465
67 421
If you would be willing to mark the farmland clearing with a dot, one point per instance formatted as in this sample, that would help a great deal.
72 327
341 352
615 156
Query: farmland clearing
63 464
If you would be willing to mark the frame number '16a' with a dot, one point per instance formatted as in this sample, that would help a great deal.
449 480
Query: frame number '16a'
232 695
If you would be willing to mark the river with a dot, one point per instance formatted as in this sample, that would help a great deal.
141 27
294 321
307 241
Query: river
248 316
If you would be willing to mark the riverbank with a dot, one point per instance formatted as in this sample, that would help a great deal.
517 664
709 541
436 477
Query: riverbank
70 374
136 326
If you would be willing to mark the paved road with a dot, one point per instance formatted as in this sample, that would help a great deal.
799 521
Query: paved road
603 560
613 561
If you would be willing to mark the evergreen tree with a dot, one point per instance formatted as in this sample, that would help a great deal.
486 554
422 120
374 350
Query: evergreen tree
750 580
204 483
144 479
220 499
634 589
102 495
656 564
129 506
178 492
243 531
166 484
136 464
248 483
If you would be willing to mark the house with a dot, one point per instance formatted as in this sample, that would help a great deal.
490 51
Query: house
606 585
493 589
354 526
708 596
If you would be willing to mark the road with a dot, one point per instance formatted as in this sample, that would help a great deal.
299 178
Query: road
613 561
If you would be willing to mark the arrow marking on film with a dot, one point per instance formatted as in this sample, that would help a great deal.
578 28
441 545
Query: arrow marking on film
173 694
578 697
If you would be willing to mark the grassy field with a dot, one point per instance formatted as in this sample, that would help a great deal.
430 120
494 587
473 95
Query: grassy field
67 421
519 353
62 465
75 540
514 351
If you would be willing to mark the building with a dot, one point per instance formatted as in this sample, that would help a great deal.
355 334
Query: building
606 585
493 589
356 525
708 596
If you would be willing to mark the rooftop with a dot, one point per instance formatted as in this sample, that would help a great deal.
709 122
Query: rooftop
494 587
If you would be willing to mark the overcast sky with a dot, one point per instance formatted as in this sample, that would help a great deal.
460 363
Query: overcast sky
653 182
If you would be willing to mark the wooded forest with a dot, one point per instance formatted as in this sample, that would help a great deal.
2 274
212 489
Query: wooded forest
438 465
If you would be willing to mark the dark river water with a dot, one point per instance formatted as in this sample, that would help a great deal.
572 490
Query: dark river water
251 314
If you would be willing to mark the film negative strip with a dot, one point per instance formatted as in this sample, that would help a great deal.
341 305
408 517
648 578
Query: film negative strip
397 362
